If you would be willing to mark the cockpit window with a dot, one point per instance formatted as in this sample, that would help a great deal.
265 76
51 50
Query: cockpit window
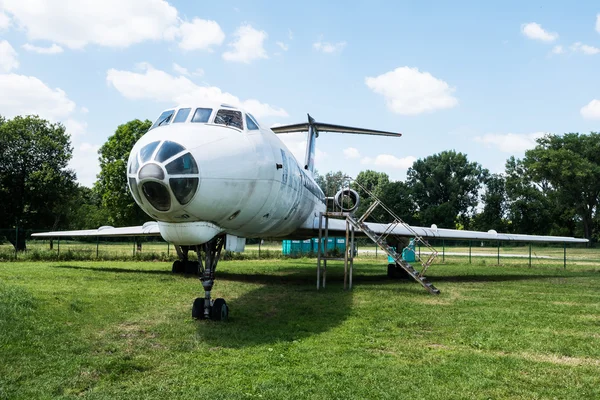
168 150
164 119
202 115
229 118
147 151
250 123
183 165
182 115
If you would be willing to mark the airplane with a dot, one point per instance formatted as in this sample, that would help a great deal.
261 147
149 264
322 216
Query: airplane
211 176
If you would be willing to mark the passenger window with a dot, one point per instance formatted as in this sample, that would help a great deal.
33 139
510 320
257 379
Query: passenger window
164 119
202 115
250 123
182 115
229 118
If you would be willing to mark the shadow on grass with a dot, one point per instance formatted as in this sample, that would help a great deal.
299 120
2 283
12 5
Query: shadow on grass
502 277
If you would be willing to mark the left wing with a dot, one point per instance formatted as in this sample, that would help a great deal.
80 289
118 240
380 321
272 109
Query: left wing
339 225
148 229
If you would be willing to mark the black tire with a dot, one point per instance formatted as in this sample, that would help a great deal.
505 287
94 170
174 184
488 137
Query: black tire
219 311
191 267
198 308
177 267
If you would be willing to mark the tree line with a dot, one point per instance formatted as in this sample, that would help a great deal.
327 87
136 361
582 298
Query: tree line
553 190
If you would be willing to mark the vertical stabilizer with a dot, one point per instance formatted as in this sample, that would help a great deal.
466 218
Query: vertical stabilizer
313 134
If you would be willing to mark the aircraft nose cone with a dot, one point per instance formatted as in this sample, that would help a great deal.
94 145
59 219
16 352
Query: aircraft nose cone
163 175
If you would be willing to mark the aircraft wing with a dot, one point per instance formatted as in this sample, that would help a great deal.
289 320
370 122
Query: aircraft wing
323 127
148 229
339 225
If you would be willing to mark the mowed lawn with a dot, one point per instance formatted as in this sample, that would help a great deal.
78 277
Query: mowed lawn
123 330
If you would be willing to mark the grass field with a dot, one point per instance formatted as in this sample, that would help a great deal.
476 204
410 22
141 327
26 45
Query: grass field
123 330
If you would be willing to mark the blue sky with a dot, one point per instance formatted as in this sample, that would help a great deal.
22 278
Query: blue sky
483 79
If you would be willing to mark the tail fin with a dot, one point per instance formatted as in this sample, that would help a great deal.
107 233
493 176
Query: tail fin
313 127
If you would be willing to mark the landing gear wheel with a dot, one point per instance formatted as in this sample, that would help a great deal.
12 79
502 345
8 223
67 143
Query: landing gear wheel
191 267
198 308
178 267
219 310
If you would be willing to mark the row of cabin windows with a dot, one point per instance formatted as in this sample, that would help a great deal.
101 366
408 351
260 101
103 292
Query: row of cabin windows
202 115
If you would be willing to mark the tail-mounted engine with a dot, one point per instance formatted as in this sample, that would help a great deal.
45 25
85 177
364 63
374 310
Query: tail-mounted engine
347 200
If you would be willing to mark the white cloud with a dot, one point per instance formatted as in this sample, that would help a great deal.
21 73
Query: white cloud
296 143
389 161
74 127
160 86
8 57
82 163
24 95
77 23
4 21
598 23
328 48
585 49
558 50
591 110
282 45
200 34
84 110
291 34
248 45
510 142
535 31
180 70
54 49
351 153
408 91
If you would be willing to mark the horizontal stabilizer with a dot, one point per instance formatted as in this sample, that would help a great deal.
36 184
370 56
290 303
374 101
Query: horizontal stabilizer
322 127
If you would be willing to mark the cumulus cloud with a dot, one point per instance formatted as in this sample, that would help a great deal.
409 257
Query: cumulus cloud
296 143
54 49
158 85
282 45
77 23
328 48
591 110
535 31
579 47
351 153
200 34
389 161
598 23
408 91
29 95
8 57
510 142
4 21
247 46
86 171
558 50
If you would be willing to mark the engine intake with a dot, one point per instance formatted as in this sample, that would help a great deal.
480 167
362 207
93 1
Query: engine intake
347 200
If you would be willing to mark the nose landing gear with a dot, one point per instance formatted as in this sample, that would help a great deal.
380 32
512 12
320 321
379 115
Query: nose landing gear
205 307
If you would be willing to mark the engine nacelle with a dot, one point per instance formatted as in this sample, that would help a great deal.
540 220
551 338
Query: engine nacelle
347 200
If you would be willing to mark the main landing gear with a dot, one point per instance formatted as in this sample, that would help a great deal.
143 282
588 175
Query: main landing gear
204 307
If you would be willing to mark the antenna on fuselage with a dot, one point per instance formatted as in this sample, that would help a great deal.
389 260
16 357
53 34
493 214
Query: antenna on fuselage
314 128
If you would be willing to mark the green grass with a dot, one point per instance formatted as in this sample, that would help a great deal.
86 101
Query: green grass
123 330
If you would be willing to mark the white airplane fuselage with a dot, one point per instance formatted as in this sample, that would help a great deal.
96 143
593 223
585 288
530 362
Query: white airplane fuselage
246 182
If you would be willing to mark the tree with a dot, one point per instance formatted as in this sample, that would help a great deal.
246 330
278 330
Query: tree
445 188
571 165
331 182
86 211
112 180
35 184
373 182
493 215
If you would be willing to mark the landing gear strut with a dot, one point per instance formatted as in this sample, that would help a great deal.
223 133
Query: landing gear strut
205 308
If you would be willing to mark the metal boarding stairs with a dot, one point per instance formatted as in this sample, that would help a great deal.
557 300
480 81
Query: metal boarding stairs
381 240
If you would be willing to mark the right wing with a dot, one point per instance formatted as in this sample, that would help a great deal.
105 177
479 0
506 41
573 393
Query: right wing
148 229
339 225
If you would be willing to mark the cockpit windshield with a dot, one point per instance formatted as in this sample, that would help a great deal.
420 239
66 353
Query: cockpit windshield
164 119
229 118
